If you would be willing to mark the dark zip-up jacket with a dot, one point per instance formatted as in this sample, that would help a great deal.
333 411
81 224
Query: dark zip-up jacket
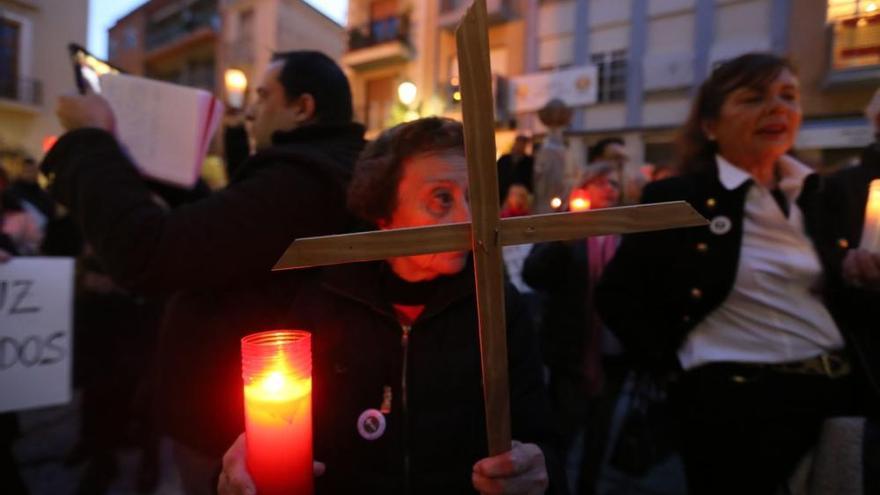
213 256
660 285
435 429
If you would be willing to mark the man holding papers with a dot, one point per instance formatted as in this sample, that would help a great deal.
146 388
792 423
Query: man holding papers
214 256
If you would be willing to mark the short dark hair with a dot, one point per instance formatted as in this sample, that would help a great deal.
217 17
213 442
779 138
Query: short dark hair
598 149
592 173
372 194
752 70
315 73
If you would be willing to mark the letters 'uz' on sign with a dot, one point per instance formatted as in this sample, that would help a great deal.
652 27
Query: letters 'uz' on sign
36 300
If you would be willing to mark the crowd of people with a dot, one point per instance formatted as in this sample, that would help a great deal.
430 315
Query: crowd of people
731 345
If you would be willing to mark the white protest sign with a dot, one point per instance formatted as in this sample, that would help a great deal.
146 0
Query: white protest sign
36 341
577 87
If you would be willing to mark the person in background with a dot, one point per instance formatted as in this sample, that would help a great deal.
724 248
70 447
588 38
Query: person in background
213 257
19 226
515 167
517 203
550 181
434 441
856 180
612 151
755 310
29 191
13 483
586 369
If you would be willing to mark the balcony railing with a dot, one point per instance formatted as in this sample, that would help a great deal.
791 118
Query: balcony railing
22 90
451 11
166 32
379 31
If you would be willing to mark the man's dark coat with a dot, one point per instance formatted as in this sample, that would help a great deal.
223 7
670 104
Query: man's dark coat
213 256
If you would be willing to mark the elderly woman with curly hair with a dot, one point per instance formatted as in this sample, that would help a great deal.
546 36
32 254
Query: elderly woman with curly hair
399 338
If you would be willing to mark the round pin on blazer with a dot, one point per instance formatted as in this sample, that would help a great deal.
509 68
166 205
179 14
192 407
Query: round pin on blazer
720 225
371 424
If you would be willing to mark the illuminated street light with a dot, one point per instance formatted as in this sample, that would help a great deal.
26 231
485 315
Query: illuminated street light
407 92
236 85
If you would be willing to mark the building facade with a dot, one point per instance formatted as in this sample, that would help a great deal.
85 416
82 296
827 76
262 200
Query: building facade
629 68
171 40
255 29
391 42
837 47
35 69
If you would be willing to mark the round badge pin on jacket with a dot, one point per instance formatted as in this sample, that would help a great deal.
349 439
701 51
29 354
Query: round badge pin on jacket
371 424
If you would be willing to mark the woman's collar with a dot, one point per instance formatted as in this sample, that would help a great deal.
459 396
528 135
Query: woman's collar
791 172
730 176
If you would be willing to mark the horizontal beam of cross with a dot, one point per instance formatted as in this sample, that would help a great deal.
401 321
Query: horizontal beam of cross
379 245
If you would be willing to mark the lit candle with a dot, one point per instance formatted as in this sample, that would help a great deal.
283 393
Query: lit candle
871 229
579 201
277 372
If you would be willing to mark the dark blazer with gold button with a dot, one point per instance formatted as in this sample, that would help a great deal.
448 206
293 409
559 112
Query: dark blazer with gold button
660 285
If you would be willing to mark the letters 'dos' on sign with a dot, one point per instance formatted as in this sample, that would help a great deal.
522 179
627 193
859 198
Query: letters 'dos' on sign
36 351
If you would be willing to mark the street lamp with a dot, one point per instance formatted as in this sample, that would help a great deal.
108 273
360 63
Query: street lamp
407 92
236 85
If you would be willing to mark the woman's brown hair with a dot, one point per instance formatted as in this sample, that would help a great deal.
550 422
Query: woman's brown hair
753 70
372 194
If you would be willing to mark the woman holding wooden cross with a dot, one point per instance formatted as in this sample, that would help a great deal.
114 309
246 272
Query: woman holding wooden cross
398 405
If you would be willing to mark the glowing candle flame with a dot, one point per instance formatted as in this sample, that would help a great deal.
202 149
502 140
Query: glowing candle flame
273 383
871 229
579 201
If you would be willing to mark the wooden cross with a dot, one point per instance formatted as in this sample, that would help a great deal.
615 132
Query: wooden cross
486 234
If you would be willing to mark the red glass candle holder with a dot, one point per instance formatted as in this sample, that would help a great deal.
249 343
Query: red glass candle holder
277 372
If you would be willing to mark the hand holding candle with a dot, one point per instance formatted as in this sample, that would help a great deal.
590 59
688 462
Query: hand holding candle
235 479
277 367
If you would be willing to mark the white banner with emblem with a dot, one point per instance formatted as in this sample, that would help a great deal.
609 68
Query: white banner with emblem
36 338
576 87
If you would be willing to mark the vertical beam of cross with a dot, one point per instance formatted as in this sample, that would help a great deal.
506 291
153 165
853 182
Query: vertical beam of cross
472 43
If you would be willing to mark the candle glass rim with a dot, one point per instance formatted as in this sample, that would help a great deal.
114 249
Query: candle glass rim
275 337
